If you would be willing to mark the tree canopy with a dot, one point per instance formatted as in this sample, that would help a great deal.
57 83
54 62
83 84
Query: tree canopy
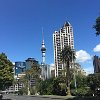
6 72
32 77
97 26
67 57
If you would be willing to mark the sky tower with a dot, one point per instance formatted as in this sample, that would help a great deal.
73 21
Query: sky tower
43 63
43 50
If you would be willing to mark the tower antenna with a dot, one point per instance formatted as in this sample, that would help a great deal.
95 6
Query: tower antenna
42 34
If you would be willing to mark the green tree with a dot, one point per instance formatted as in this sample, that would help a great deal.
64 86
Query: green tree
94 83
67 56
6 72
50 87
97 26
32 74
45 87
82 87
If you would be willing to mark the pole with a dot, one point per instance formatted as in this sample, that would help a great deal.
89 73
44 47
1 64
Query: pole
28 88
74 73
28 85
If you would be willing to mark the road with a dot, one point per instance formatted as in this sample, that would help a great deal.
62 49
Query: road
15 97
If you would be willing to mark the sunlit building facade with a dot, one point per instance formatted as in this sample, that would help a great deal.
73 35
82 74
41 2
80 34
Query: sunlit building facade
63 37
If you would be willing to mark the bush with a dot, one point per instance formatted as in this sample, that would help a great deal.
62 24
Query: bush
80 92
22 91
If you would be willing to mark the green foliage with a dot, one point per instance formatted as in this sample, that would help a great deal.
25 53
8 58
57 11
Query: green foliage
54 86
97 26
81 81
94 82
32 74
67 54
82 91
45 87
6 72
22 91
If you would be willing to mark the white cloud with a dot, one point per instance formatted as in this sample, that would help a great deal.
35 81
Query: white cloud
52 66
82 56
89 70
97 48
13 63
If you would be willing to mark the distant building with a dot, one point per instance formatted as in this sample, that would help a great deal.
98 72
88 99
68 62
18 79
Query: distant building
63 37
29 62
52 70
19 71
19 67
96 64
79 70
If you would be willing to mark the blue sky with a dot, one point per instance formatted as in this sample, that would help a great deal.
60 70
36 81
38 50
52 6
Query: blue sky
21 23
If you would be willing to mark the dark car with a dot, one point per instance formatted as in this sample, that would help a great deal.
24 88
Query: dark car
1 95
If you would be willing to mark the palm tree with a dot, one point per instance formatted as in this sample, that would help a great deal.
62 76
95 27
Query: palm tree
67 56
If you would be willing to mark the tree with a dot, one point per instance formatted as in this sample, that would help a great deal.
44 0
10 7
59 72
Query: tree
6 72
94 83
67 56
45 87
97 26
32 76
82 88
50 86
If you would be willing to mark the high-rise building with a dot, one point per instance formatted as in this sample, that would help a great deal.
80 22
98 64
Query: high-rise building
63 37
96 64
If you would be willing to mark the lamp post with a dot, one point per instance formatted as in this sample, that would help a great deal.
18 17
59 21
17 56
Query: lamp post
28 87
73 65
28 83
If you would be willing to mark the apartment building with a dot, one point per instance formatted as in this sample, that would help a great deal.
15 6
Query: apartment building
63 37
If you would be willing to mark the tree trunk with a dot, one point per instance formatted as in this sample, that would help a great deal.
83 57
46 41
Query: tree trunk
68 79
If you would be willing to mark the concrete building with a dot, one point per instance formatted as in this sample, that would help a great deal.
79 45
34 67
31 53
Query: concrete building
63 37
96 64
52 70
78 69
19 71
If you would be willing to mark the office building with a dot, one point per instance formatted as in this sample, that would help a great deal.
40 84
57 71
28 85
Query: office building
19 67
96 64
63 37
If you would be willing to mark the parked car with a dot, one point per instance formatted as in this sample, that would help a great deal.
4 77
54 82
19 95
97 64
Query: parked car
1 96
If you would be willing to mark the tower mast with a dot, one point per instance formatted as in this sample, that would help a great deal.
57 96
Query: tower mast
43 49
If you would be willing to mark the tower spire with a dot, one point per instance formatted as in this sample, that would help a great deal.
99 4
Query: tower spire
42 35
43 49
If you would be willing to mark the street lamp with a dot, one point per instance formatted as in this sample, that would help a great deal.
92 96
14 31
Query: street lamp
28 83
73 65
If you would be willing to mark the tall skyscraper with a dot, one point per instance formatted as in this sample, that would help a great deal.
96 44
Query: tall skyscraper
63 37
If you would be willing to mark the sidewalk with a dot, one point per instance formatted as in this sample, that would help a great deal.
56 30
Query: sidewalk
53 96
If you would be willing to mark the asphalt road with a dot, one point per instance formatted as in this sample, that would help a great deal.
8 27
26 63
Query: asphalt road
15 97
